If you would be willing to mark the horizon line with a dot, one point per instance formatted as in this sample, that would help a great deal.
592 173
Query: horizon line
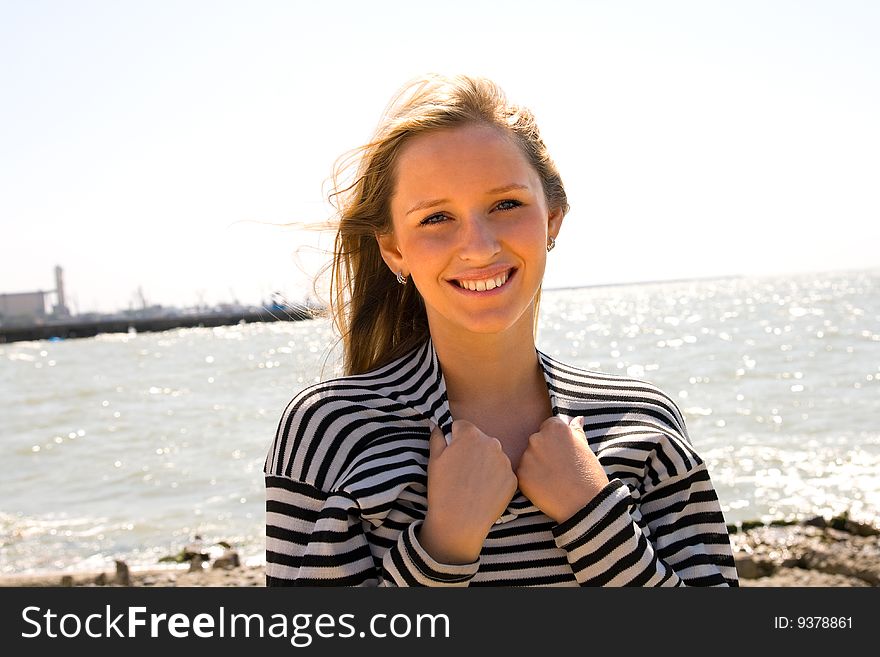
719 277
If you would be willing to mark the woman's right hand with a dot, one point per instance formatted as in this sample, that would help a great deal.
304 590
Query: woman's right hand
470 483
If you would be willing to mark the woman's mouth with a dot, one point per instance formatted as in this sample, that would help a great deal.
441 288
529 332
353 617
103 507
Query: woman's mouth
484 286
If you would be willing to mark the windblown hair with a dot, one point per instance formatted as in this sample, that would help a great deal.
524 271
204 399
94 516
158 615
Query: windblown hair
378 319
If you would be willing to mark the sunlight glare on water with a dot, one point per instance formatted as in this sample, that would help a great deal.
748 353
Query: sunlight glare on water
127 445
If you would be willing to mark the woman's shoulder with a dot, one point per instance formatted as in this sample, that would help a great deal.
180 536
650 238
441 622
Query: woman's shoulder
631 422
580 381
367 389
614 393
327 424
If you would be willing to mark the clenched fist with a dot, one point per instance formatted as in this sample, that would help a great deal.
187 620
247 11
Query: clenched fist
558 471
470 483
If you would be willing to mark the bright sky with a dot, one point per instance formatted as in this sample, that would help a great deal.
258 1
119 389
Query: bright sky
140 142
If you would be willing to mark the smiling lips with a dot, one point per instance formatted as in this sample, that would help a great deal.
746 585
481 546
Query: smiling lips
486 283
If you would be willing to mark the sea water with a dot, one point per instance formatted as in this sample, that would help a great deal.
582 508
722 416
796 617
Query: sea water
128 446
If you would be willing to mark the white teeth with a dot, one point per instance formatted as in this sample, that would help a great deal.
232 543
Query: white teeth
484 285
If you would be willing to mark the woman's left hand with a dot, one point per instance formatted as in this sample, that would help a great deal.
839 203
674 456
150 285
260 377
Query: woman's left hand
558 471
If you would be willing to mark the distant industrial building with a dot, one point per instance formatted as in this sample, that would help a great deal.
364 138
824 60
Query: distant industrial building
23 316
30 307
23 306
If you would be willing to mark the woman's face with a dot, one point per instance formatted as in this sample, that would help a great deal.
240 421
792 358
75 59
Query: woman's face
470 226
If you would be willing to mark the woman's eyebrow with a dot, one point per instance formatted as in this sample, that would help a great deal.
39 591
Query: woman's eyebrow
424 205
508 188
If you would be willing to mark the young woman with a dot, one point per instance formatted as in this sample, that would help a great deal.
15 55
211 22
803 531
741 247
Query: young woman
453 452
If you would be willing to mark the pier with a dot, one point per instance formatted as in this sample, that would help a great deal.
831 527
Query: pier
87 328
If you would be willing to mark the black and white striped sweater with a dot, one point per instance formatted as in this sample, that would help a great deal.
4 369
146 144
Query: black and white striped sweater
346 490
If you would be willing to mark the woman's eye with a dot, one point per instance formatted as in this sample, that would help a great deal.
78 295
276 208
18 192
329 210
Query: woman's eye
433 219
507 204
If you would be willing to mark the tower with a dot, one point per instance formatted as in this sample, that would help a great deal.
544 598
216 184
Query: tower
60 309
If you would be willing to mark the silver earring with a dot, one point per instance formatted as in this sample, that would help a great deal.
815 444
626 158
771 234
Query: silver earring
401 278
551 243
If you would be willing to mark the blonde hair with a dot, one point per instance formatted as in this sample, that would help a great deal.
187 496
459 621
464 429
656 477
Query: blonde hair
378 319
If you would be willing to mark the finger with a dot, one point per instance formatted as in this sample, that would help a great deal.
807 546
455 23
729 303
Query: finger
460 427
550 421
577 424
436 443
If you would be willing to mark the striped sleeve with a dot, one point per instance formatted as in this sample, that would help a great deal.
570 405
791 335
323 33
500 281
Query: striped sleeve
314 538
408 564
317 539
688 546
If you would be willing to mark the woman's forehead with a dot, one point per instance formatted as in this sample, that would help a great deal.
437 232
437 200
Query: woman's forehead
452 142
479 155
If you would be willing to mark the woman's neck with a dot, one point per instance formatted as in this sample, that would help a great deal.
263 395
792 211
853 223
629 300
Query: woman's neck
491 368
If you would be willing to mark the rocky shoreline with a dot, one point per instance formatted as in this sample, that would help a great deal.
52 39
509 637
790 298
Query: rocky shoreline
161 577
812 553
815 552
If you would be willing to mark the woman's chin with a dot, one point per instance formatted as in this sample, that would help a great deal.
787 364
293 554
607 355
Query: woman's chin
487 323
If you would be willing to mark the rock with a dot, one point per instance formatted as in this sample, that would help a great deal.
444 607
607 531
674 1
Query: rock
850 560
195 549
860 528
785 577
195 563
816 521
814 551
845 524
67 580
101 579
123 577
228 560
748 566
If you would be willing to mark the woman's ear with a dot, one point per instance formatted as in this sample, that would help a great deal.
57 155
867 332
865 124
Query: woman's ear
390 252
554 222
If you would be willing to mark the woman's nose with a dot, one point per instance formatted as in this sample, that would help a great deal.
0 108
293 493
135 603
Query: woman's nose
478 239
